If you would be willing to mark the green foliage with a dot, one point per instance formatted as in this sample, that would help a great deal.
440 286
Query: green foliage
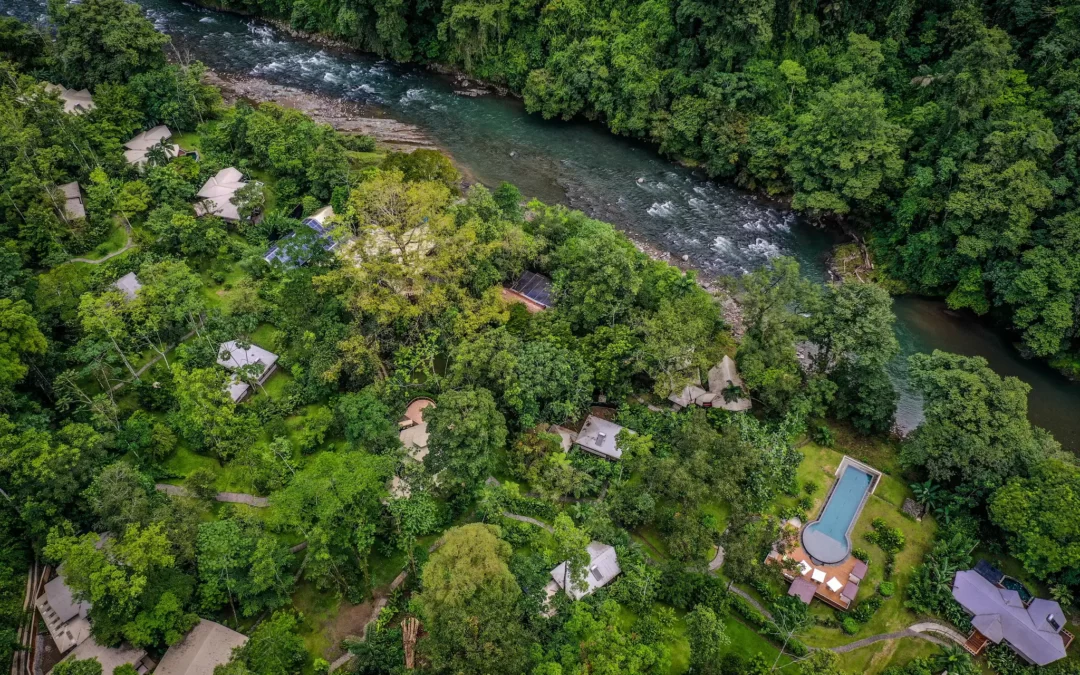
366 421
976 431
469 604
424 165
136 595
78 667
1035 514
19 338
334 502
888 539
104 41
242 566
886 589
206 416
465 431
274 648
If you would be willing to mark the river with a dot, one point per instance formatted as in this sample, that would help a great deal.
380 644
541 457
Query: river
720 229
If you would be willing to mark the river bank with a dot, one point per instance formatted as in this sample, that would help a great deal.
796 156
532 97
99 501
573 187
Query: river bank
350 117
710 226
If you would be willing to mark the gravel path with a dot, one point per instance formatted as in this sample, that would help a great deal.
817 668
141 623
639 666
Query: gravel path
747 597
526 519
123 249
927 630
231 497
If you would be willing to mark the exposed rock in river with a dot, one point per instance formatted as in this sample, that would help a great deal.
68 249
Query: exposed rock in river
345 116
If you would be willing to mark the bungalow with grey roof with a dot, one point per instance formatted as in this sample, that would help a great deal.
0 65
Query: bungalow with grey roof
66 618
218 195
75 102
598 436
1035 631
725 390
603 567
73 201
138 148
206 647
233 357
284 253
128 285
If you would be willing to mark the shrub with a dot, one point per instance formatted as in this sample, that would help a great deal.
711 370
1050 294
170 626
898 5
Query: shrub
806 503
811 487
861 554
886 588
890 563
789 512
865 610
747 612
849 625
888 539
822 435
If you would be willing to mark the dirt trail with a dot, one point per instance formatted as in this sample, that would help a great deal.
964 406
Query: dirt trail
123 249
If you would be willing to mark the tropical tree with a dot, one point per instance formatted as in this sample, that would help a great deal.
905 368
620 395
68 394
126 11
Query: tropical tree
466 429
469 605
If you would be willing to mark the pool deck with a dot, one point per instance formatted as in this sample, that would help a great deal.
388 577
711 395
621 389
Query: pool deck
875 479
841 571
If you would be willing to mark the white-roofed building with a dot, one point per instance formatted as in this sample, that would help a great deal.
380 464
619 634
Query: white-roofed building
74 207
75 102
725 377
216 198
598 436
137 149
128 285
111 658
64 616
233 357
603 567
206 647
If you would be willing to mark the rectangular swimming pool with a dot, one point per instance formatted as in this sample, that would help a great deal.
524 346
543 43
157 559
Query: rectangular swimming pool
828 539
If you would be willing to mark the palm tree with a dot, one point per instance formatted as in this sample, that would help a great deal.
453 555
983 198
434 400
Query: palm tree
927 494
954 660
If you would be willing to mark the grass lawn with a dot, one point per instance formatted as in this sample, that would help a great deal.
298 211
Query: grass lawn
115 241
189 140
881 655
319 609
363 160
184 461
220 295
818 465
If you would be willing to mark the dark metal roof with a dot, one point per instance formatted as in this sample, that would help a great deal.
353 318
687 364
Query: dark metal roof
989 572
535 287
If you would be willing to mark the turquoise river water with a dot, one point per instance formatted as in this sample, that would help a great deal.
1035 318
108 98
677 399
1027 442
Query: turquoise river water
721 229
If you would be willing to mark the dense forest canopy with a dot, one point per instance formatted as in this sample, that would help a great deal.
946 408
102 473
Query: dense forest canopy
947 131
170 483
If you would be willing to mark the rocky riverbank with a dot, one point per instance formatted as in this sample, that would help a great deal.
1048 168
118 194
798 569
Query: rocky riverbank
345 116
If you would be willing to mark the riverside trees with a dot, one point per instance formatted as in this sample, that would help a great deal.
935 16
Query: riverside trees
945 129
413 307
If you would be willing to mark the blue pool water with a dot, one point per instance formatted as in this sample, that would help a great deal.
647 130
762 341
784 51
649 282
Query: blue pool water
826 539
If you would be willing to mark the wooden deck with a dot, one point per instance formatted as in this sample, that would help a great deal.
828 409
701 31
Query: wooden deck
976 642
824 593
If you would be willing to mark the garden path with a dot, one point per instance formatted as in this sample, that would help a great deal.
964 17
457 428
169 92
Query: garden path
231 497
127 245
